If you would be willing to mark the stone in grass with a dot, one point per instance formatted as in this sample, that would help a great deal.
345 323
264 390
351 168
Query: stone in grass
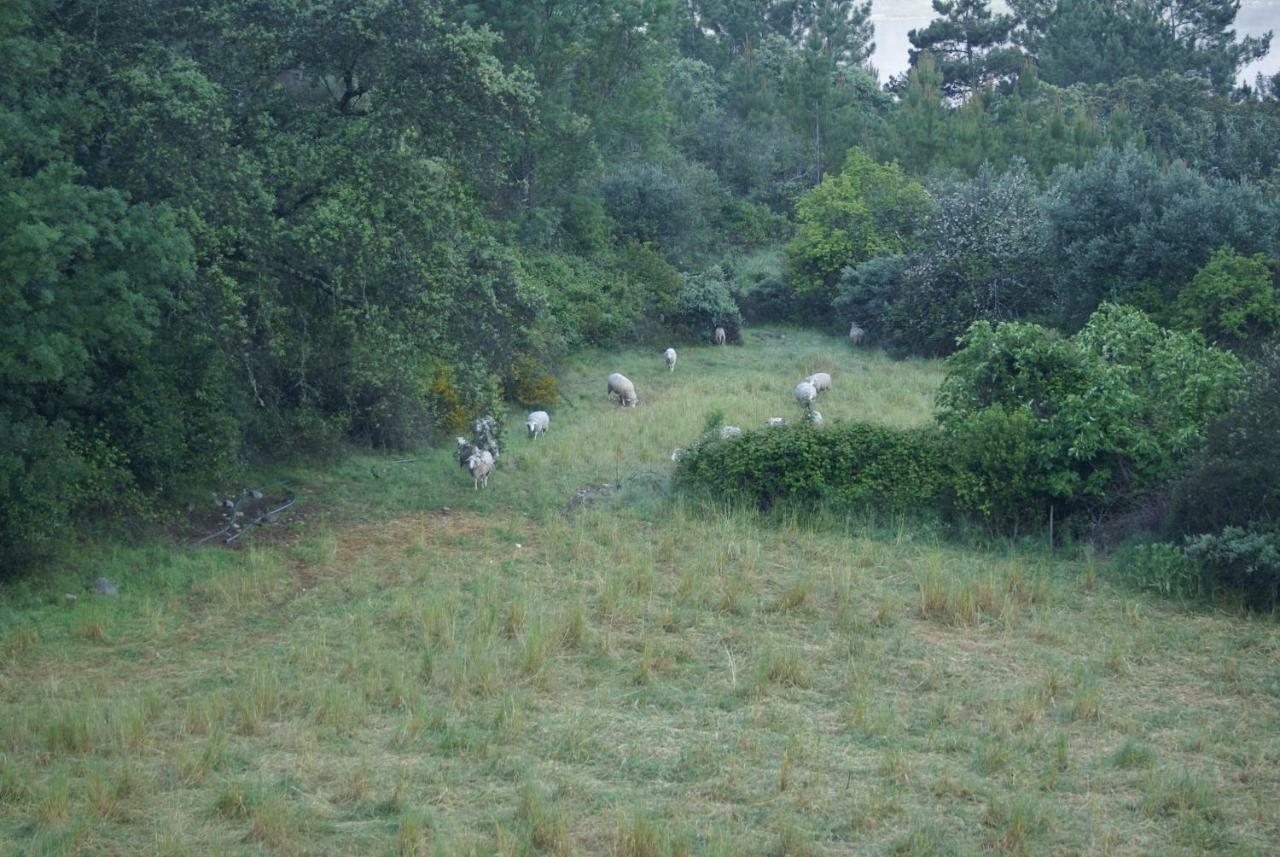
104 587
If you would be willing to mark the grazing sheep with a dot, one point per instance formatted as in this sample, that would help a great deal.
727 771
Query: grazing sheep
621 386
670 355
776 421
813 416
856 333
480 465
677 453
476 461
806 393
727 432
537 423
719 336
821 381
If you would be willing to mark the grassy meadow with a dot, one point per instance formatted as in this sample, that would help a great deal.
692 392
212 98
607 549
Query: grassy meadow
559 665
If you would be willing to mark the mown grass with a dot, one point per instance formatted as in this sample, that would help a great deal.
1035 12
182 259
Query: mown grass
417 668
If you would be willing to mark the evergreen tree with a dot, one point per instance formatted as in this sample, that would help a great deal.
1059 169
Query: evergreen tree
970 45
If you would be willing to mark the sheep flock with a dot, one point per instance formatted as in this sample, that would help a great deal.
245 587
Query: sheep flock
479 455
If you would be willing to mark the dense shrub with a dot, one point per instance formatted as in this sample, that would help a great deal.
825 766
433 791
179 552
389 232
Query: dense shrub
1109 414
1236 480
868 294
1232 300
980 258
704 304
1242 560
842 467
866 210
1126 227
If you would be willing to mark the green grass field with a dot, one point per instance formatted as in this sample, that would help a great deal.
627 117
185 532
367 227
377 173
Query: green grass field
408 666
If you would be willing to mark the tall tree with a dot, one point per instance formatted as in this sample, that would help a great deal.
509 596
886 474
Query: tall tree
970 44
1103 41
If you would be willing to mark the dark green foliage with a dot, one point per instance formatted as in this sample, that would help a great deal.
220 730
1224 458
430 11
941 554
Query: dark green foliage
1097 41
969 44
1126 228
980 257
1225 510
704 304
1243 560
848 467
869 295
1236 481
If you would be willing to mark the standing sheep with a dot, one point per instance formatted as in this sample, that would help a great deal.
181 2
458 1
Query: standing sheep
478 462
537 423
719 336
670 355
856 333
806 393
480 465
621 386
821 381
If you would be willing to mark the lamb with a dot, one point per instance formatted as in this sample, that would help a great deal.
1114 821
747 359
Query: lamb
856 333
776 421
821 381
621 386
537 423
813 416
806 393
727 432
719 336
670 355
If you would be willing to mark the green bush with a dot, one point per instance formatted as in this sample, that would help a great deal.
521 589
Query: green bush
1105 416
1226 507
706 303
853 466
1232 300
1243 560
1002 472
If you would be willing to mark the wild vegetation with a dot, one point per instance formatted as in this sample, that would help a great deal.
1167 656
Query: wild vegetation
409 666
1015 592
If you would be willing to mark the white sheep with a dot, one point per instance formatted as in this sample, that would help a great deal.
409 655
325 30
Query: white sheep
670 355
806 393
537 423
821 381
813 416
720 336
480 465
856 333
677 453
621 386
776 421
476 461
727 432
